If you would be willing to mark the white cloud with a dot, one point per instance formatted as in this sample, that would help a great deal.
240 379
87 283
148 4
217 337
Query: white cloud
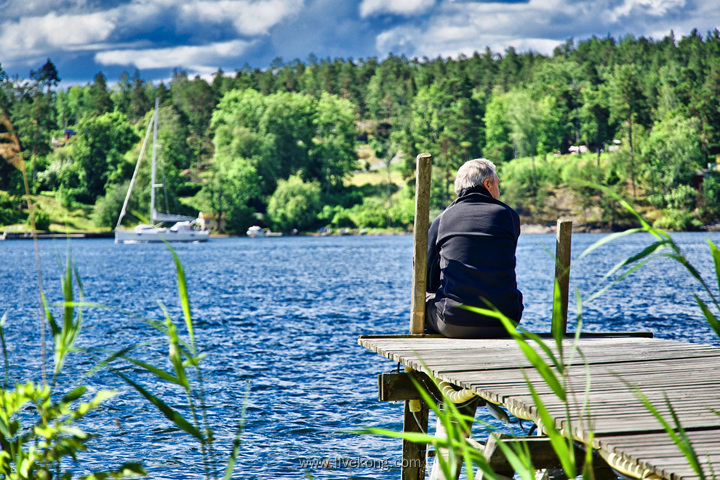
656 8
35 35
454 27
201 59
36 8
468 27
247 16
399 7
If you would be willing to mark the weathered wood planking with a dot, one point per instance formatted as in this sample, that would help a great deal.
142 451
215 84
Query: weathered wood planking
688 375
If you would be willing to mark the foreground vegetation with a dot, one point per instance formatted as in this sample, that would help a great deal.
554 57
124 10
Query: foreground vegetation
280 146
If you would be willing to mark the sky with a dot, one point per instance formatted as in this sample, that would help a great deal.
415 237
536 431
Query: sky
84 37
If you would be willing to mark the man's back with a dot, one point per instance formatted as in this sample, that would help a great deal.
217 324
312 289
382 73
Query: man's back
471 257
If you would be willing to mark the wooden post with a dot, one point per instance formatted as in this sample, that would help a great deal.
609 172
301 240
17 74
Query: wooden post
415 418
420 242
563 242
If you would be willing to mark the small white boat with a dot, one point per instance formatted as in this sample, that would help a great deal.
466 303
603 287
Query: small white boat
255 231
185 229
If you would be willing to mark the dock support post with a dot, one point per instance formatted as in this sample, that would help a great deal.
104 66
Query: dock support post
563 242
415 418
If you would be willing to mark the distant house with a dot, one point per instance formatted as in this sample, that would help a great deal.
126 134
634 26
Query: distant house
615 146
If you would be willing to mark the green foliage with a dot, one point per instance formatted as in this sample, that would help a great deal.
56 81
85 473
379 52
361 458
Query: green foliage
333 156
107 209
35 447
497 130
678 220
42 220
39 434
98 156
8 209
446 121
711 195
671 154
373 212
295 204
230 188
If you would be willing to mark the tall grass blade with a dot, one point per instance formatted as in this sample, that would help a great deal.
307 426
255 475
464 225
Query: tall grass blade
607 239
236 444
709 316
518 455
646 252
716 260
113 356
74 394
67 289
54 328
165 409
677 433
126 470
158 372
4 351
530 353
562 446
558 320
184 298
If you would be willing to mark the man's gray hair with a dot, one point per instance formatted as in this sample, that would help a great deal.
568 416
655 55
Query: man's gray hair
474 173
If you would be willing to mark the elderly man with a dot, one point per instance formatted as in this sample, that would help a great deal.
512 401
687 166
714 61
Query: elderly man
471 258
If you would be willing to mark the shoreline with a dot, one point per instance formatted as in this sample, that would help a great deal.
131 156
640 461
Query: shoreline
525 229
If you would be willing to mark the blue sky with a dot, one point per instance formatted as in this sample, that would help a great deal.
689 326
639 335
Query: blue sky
83 37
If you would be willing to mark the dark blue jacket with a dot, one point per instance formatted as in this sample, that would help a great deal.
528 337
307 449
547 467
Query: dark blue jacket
471 259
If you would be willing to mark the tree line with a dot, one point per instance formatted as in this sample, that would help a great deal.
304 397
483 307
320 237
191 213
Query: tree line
281 141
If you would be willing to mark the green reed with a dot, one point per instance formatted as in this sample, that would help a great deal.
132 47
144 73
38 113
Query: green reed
185 359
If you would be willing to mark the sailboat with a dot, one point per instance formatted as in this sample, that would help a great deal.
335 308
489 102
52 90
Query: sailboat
184 229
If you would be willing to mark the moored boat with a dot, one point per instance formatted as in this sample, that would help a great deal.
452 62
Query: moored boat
184 229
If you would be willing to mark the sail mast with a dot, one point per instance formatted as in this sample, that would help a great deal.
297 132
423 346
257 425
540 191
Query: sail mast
137 167
154 160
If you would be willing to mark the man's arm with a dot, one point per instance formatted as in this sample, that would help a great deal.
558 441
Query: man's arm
433 258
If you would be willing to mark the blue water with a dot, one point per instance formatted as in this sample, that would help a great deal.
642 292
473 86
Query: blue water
285 313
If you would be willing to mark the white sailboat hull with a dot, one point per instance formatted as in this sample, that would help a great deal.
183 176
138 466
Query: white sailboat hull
146 234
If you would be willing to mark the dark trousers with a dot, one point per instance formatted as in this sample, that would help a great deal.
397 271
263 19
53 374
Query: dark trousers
434 323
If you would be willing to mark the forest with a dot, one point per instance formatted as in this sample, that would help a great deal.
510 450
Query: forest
286 146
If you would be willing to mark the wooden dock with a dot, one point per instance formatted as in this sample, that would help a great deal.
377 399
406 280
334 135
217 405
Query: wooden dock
626 434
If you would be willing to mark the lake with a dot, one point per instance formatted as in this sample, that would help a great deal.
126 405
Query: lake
285 314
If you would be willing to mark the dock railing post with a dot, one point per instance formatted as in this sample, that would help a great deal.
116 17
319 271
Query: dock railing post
415 418
563 243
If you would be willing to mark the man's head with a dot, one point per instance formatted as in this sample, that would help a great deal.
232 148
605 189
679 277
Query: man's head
479 171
